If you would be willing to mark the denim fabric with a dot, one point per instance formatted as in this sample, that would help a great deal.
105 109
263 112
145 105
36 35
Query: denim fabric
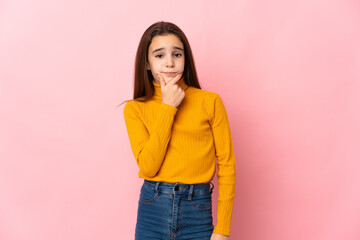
174 211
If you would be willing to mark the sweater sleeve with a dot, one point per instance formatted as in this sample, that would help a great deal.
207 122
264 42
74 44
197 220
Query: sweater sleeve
226 165
149 146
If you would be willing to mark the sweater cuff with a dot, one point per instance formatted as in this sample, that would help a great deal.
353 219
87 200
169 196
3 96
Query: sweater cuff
223 231
168 108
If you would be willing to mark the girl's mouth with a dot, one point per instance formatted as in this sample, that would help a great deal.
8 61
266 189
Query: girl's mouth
169 74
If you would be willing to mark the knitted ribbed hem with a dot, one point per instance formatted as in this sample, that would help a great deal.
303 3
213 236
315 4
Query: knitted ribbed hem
223 231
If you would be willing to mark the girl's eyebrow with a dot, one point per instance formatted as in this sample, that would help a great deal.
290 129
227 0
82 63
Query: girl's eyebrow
160 49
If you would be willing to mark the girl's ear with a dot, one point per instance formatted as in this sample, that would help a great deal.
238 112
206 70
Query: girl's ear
147 66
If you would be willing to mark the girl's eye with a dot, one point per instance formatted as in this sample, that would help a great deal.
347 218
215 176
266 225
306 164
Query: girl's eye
178 54
159 56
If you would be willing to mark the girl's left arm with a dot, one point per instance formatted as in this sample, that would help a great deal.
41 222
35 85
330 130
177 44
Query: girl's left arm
226 165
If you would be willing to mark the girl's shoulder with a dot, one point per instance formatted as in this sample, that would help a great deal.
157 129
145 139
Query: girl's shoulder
204 94
209 100
132 105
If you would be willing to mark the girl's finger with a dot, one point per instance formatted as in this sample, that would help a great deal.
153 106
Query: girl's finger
175 79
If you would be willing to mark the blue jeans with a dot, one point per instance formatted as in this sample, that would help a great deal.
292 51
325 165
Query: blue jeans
174 211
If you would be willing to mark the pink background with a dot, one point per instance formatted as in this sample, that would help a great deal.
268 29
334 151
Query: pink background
287 71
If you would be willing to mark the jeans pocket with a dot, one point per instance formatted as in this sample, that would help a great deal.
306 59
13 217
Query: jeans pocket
202 200
147 194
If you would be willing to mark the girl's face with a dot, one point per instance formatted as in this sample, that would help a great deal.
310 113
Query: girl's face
166 57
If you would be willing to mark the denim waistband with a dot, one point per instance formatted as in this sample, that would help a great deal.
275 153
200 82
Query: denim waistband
180 188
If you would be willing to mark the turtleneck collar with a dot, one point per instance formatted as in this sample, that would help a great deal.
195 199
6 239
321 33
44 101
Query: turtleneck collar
157 87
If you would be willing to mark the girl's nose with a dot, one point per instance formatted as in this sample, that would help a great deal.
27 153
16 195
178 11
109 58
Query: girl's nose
169 62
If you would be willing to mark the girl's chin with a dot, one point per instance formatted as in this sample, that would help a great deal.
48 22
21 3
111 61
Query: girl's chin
167 78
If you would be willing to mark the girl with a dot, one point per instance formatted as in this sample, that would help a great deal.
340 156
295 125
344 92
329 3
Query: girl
176 130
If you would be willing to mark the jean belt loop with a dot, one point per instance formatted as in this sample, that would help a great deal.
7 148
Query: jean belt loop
212 187
191 191
157 189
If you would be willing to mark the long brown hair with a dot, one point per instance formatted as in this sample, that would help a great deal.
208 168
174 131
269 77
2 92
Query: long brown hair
143 87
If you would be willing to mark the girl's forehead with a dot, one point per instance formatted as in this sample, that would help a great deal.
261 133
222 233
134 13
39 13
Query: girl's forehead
168 40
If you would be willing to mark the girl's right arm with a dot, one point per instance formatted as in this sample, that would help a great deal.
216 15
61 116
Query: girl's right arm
149 145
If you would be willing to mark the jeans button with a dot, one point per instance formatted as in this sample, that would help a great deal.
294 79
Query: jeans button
176 188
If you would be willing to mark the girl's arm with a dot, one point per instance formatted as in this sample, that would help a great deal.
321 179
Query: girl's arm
149 148
226 174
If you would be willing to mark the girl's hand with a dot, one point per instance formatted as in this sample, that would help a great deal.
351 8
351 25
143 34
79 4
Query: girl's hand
171 92
216 236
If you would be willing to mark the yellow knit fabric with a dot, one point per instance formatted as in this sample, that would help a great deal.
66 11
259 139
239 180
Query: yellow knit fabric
180 144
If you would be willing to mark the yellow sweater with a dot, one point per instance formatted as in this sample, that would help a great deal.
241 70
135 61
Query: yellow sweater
180 144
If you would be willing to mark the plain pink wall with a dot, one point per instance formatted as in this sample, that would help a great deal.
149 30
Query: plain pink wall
287 71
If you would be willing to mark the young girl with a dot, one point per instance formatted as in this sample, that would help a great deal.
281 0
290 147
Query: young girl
176 130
